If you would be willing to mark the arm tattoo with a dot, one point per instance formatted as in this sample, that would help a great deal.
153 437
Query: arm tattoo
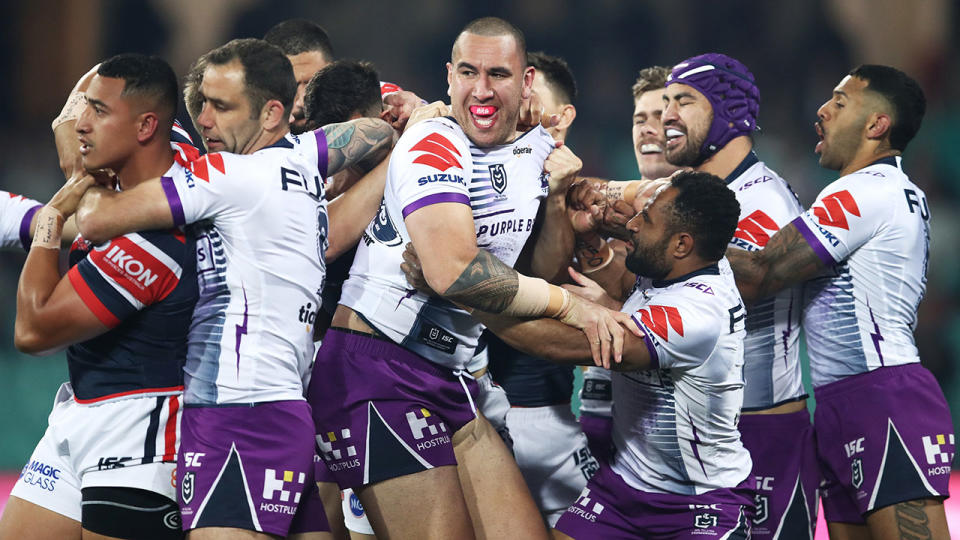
789 260
362 143
912 520
485 284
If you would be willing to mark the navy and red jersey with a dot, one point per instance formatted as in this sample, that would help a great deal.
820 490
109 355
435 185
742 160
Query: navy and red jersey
143 286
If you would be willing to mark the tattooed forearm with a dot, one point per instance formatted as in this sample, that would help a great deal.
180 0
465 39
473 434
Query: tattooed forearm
485 284
359 143
912 520
786 260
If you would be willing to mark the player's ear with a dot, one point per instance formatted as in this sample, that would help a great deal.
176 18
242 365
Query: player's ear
147 124
528 73
682 245
878 126
272 115
567 114
449 79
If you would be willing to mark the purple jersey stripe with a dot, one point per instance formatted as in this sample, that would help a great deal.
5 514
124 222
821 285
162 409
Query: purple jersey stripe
648 341
173 199
25 226
813 240
321 152
434 199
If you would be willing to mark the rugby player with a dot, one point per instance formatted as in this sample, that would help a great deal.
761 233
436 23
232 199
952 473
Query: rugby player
409 440
884 434
263 231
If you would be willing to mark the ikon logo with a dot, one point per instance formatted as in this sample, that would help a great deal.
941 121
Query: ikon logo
438 152
835 208
659 320
756 228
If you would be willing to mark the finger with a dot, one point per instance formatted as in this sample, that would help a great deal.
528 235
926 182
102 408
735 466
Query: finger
604 343
594 339
630 324
617 332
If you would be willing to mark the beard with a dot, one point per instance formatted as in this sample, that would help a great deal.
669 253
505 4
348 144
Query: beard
689 154
649 261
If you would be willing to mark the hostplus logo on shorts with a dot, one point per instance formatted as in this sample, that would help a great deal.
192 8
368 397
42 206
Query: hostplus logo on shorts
425 423
939 450
273 489
338 451
38 473
585 507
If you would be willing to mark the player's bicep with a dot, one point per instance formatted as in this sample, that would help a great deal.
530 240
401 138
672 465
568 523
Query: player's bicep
444 237
65 319
363 142
790 259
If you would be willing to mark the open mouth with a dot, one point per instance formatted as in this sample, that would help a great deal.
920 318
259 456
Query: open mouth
85 147
820 134
674 137
651 148
483 116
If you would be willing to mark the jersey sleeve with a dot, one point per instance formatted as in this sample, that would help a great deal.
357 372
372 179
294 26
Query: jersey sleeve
16 212
765 208
845 215
313 146
215 185
680 333
129 273
430 165
387 88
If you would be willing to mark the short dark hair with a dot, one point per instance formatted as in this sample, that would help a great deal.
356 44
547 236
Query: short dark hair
146 76
557 73
904 96
707 209
495 26
296 36
339 90
267 74
651 78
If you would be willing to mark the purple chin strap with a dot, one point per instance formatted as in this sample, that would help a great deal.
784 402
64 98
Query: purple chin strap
728 86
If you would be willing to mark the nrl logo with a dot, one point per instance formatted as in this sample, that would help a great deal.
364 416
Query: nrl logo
762 509
857 469
498 177
186 488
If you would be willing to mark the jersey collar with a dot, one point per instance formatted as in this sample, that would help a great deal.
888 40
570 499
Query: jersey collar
747 162
889 160
282 143
712 270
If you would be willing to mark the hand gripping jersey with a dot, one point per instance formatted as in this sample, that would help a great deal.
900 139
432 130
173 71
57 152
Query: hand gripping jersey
675 425
261 223
434 162
771 348
872 230
143 286
16 212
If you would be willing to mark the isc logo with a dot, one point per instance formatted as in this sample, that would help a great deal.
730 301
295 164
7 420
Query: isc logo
854 447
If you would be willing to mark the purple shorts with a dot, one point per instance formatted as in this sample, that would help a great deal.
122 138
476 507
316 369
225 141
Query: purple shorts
883 437
609 509
599 432
382 411
245 466
311 514
785 473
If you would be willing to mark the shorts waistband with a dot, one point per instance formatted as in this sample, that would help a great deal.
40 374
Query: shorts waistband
863 379
375 346
547 411
239 405
791 421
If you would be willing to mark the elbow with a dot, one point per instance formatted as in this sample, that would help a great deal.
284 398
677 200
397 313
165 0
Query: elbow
28 341
92 227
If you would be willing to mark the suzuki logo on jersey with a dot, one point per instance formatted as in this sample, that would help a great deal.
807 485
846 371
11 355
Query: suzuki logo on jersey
756 228
853 447
441 178
200 168
498 177
939 448
273 485
835 208
132 267
438 152
659 320
426 422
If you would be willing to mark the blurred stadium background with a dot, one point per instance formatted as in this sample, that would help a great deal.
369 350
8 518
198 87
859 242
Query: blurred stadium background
797 50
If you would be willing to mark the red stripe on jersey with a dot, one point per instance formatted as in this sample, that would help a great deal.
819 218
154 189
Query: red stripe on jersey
178 234
170 431
135 269
131 393
832 213
90 299
388 88
659 319
438 152
184 154
756 228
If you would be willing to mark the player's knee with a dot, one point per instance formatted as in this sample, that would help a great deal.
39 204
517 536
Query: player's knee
130 513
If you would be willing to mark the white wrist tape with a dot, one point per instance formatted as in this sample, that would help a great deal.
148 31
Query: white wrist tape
535 297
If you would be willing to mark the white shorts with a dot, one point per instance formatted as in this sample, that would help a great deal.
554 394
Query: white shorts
354 517
127 442
552 454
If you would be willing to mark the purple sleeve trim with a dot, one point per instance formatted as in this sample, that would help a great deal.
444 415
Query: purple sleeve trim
651 346
173 199
322 158
814 242
25 226
434 199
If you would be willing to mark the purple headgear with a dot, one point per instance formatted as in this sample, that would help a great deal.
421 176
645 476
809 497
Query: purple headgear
728 86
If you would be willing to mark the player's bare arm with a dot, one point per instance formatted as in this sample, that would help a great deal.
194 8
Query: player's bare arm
486 284
360 143
786 260
553 239
352 211
104 213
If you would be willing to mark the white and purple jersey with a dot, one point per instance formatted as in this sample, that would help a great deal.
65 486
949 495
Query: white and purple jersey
434 162
261 227
675 424
872 230
16 212
772 346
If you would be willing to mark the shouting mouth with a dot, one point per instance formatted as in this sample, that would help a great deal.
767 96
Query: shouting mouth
484 116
